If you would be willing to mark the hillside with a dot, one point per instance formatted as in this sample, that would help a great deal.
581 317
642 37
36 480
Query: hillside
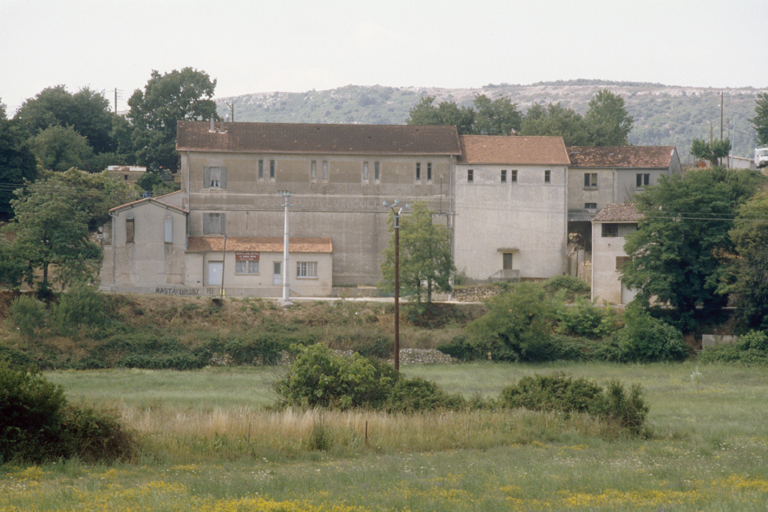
664 115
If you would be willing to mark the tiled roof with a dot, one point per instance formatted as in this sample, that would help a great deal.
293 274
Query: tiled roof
149 200
258 244
515 149
318 138
618 212
634 157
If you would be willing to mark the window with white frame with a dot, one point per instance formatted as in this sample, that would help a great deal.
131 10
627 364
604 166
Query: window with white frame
429 171
306 269
246 267
470 175
547 176
514 176
418 171
503 176
271 169
643 179
215 177
590 180
325 170
261 169
376 174
365 172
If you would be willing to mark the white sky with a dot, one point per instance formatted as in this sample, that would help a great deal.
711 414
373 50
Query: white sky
291 45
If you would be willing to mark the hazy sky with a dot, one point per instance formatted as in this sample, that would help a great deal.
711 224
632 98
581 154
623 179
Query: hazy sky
283 45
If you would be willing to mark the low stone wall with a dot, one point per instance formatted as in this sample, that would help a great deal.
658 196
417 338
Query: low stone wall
475 293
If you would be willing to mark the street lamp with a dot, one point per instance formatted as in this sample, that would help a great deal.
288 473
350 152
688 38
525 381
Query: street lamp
396 211
286 292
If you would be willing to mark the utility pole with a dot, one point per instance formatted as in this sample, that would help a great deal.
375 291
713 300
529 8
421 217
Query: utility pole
286 291
721 115
396 211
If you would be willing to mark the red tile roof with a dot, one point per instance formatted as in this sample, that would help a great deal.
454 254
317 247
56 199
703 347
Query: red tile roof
318 138
515 149
634 157
258 244
618 212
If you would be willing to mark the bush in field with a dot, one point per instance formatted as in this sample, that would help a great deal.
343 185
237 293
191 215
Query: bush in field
318 378
643 339
751 348
583 318
569 287
28 315
417 395
558 392
517 326
36 424
81 306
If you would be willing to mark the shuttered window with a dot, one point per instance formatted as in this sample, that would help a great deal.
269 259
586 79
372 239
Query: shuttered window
215 177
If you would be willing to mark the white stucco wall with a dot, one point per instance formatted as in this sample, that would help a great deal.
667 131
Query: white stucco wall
606 285
528 215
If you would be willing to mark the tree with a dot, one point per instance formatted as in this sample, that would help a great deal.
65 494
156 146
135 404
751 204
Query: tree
60 148
748 266
445 113
176 96
426 263
555 120
86 111
607 121
760 121
712 151
17 163
496 117
52 235
676 252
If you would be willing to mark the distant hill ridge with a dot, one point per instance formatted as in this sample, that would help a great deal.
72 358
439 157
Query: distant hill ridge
664 114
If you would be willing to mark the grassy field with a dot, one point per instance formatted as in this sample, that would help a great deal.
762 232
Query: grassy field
210 445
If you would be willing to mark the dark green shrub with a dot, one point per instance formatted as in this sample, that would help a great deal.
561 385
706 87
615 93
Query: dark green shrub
318 378
81 306
643 339
754 340
30 415
418 395
365 341
751 348
556 392
570 286
517 326
583 318
460 348
93 435
28 315
13 356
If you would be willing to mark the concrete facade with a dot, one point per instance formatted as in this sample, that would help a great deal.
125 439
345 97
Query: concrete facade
609 227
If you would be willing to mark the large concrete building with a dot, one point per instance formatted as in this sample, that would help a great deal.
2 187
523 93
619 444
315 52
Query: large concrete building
507 201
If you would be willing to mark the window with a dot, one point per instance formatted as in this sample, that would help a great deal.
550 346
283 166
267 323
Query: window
503 176
313 171
271 169
169 230
429 171
215 177
306 269
325 170
621 261
470 176
418 171
261 169
130 229
246 267
590 180
376 171
214 223
643 179
514 176
547 176
507 261
365 172
590 206
610 230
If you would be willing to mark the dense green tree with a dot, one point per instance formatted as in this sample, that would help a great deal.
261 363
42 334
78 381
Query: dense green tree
86 111
760 121
426 263
748 266
176 96
17 163
678 247
608 122
496 117
555 120
60 148
51 236
712 151
445 113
